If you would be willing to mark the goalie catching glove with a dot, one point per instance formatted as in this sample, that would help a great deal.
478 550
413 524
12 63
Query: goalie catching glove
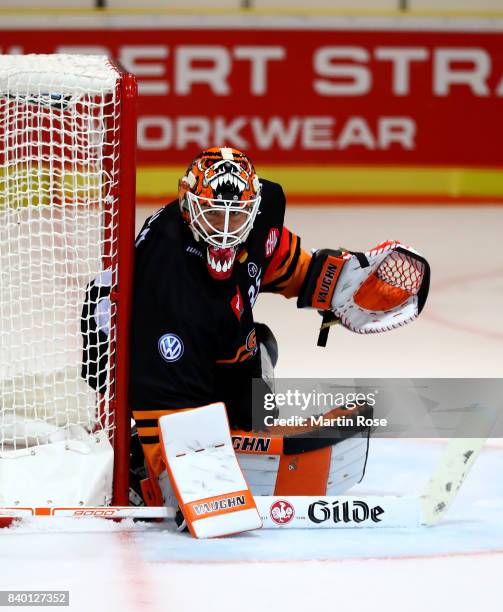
368 292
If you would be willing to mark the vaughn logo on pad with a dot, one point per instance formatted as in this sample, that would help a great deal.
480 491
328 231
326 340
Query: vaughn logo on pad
252 444
326 284
220 504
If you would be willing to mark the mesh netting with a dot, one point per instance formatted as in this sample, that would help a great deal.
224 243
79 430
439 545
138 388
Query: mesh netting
402 272
58 216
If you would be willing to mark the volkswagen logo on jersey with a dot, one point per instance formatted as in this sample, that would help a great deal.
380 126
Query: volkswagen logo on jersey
252 269
171 347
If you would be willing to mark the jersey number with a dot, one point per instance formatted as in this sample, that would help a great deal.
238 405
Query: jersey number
253 291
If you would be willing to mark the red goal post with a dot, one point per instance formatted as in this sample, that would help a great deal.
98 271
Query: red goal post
123 291
67 205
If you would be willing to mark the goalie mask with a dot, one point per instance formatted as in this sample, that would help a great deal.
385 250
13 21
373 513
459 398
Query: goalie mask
219 199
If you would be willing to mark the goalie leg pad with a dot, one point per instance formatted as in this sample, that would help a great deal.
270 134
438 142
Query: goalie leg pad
208 482
281 462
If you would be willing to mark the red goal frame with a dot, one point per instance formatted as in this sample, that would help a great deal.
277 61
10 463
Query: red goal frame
121 294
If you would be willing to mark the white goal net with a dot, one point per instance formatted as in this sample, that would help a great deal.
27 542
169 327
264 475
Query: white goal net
59 202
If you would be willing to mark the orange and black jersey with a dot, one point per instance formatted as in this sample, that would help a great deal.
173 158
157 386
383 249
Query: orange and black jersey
193 338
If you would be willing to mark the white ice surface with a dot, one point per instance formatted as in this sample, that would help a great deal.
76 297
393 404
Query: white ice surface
107 566
456 565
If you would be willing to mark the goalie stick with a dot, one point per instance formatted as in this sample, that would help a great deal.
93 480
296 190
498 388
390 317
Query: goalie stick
425 509
457 461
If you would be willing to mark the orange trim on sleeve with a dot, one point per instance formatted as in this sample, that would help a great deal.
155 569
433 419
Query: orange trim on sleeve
294 283
281 257
280 276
